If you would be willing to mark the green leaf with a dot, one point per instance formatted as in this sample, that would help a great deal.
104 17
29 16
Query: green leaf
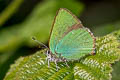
35 24
90 67
9 40
9 11
104 29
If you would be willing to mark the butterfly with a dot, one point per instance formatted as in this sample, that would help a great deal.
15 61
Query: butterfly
69 39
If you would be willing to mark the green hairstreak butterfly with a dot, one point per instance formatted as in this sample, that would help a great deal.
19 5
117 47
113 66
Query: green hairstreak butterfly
69 39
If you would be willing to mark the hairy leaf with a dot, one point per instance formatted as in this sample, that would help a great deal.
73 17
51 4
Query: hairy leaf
90 67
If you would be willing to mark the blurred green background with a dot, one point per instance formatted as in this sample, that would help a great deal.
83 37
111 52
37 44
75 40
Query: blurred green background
22 19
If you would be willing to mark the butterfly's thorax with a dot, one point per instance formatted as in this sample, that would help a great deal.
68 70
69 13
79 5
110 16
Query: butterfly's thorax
53 57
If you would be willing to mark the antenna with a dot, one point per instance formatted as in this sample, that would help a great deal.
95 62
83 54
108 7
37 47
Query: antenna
33 38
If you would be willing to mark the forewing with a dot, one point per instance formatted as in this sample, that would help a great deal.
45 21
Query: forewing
76 44
62 25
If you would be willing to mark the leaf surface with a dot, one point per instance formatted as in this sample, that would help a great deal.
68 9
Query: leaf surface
91 67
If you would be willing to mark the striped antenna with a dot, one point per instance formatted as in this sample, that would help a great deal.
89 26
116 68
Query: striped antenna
33 38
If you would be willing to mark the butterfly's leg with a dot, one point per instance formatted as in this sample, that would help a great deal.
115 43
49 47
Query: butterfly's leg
48 58
56 64
48 63
66 62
